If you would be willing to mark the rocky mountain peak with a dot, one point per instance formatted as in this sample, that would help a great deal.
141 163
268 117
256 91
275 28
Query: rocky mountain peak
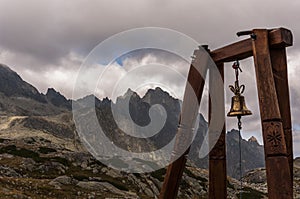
252 153
17 97
12 85
129 93
156 92
253 139
57 99
106 100
20 98
87 101
52 93
234 134
159 96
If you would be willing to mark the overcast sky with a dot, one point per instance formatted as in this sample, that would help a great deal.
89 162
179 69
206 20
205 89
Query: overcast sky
46 41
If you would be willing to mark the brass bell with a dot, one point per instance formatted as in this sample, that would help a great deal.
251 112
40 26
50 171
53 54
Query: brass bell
238 107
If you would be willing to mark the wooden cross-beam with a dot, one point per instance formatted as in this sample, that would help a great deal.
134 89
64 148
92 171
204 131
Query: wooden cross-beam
278 38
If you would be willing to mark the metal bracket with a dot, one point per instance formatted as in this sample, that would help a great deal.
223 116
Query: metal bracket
246 32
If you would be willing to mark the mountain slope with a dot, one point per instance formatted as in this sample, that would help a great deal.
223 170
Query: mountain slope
252 154
18 97
12 85
41 154
27 101
58 99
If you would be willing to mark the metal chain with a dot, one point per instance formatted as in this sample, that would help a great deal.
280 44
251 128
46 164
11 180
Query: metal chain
237 69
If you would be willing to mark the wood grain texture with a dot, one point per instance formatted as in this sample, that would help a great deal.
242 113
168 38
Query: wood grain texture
217 155
277 175
267 95
278 38
279 66
188 117
218 150
277 165
172 179
239 50
273 137
217 181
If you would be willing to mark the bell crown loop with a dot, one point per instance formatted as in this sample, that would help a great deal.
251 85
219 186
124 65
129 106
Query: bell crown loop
236 89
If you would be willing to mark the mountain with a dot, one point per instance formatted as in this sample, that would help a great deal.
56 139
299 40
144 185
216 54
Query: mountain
12 85
252 154
41 153
42 113
58 99
18 97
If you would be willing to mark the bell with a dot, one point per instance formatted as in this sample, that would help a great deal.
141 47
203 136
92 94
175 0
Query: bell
238 107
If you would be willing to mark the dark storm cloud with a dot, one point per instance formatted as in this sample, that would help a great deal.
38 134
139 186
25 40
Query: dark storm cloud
50 30
46 41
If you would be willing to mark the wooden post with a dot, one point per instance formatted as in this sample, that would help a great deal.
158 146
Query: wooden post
277 165
188 118
279 64
217 156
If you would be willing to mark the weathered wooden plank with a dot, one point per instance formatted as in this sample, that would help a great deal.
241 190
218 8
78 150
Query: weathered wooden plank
172 179
280 37
188 118
217 156
277 177
279 65
236 51
217 184
265 82
277 164
273 136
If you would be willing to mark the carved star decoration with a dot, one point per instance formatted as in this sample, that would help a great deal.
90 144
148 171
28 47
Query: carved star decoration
274 137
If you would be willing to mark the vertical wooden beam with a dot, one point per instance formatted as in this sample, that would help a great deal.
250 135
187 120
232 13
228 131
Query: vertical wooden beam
279 64
188 118
277 165
217 156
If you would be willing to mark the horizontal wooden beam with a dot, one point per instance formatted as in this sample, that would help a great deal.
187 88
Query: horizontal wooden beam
278 38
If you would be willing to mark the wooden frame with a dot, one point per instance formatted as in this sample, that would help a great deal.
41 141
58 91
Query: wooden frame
269 53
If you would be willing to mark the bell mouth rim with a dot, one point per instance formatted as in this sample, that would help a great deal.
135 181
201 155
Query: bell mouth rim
235 115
